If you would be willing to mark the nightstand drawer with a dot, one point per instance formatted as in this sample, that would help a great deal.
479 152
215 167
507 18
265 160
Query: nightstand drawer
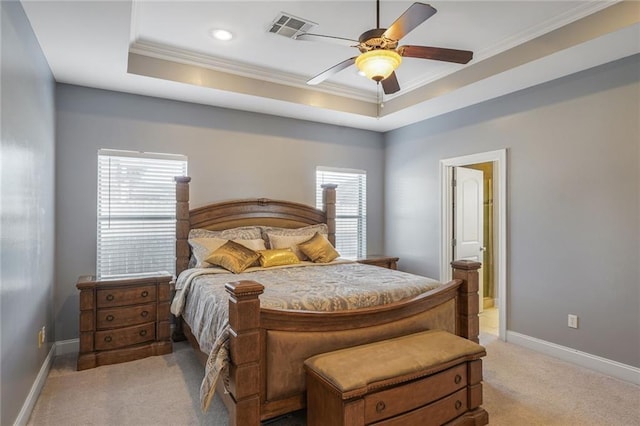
125 296
125 316
112 339
408 396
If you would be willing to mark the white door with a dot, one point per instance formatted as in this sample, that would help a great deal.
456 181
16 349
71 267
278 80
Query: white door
468 220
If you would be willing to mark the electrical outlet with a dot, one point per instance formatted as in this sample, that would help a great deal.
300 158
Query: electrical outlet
573 321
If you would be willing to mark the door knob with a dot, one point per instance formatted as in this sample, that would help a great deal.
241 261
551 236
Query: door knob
483 248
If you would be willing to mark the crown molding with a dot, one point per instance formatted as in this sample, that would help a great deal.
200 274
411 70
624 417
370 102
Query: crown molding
184 56
582 10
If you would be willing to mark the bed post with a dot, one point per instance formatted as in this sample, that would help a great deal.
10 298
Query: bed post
182 223
244 352
468 299
182 237
329 207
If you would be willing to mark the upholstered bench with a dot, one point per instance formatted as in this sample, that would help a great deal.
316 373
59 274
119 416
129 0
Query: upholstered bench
427 378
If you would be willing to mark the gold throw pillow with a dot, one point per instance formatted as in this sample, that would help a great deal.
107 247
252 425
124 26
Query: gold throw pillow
277 257
319 249
233 257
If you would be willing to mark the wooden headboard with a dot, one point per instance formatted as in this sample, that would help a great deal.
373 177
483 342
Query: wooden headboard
250 212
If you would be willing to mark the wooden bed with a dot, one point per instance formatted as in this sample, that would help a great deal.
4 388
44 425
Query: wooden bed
453 306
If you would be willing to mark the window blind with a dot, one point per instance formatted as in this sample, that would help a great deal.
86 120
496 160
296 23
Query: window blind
351 208
136 212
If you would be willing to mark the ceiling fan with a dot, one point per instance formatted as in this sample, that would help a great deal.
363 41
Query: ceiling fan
380 54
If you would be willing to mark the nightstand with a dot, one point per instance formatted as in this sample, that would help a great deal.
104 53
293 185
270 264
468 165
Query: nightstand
123 319
379 260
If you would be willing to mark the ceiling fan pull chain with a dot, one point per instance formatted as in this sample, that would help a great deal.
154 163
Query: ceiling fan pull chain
380 99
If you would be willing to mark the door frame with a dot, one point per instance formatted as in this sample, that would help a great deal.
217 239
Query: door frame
499 160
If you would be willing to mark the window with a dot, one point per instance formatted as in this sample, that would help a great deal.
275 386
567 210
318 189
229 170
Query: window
136 212
351 208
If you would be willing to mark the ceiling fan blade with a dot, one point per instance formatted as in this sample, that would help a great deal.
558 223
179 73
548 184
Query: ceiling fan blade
332 39
411 18
436 53
390 84
332 71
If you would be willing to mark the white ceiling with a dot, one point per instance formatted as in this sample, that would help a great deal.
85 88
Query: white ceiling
163 49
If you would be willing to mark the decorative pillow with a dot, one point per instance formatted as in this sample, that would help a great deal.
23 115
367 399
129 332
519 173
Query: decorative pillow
277 257
233 257
319 249
201 249
255 245
285 237
290 242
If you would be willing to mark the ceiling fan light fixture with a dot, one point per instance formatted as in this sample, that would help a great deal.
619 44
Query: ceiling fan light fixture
378 64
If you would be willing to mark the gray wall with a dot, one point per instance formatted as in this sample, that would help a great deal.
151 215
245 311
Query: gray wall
26 207
573 203
231 154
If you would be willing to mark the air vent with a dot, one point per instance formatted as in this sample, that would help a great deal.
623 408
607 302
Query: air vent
290 26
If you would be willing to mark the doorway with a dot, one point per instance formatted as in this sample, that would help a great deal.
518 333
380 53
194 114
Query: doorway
491 167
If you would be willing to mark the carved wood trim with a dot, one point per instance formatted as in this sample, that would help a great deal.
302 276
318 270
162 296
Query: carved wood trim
249 212
468 298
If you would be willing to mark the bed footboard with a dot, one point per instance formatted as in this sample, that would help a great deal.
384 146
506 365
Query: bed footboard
247 401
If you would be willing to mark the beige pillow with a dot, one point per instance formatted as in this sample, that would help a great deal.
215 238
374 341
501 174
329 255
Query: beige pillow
290 242
277 257
233 257
306 230
291 237
201 248
319 249
255 245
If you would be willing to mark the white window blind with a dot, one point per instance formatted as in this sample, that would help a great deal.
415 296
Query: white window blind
136 212
351 208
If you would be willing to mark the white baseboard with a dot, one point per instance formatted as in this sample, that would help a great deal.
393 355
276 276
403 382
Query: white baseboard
606 366
64 347
36 388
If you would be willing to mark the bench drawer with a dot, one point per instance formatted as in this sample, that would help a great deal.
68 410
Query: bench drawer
437 413
408 396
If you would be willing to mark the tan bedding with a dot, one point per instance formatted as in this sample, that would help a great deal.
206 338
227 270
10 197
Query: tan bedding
340 285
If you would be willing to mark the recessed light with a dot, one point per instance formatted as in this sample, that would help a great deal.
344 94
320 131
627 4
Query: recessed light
220 34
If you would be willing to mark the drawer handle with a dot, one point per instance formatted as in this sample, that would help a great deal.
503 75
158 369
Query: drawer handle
380 406
143 332
110 318
107 339
110 297
144 313
144 293
458 379
458 404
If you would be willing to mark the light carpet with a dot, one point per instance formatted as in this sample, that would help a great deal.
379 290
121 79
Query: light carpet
521 387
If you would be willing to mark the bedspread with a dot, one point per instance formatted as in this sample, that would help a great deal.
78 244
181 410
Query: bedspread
203 302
